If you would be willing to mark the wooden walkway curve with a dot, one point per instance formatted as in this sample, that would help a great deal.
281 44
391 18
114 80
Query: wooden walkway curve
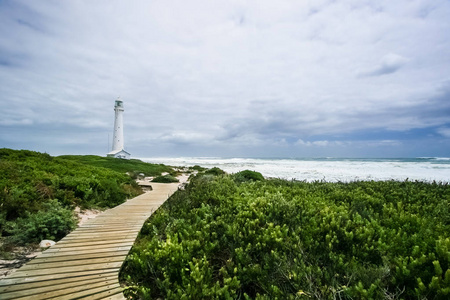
86 263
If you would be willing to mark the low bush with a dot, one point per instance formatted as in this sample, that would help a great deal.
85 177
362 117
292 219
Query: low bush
165 179
248 175
197 168
215 171
53 222
275 239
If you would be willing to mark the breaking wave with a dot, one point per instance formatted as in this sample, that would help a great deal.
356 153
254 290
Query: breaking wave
328 169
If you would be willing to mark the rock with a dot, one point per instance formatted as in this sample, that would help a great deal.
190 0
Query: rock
46 243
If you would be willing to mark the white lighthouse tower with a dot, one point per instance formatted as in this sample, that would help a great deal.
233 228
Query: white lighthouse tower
117 148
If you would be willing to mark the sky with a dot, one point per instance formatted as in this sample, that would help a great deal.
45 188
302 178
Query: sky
257 78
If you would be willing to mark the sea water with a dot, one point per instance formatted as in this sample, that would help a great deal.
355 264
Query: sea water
426 169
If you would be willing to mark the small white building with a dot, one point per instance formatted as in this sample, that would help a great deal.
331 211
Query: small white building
117 147
119 154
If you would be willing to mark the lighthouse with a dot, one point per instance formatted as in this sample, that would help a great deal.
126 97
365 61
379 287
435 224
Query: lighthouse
117 145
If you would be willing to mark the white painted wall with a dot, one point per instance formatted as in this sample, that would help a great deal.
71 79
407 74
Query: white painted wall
118 126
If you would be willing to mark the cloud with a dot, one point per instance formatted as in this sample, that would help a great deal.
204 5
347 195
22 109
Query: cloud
388 143
323 143
390 63
236 77
10 122
183 137
300 142
444 131
346 144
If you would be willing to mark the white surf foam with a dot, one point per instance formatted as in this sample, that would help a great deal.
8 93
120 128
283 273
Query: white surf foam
345 170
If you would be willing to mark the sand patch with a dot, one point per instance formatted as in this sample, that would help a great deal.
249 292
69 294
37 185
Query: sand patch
21 255
86 214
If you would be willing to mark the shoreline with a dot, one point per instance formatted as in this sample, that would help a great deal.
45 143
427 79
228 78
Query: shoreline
330 170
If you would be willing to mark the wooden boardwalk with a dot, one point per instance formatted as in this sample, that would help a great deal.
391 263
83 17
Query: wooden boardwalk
86 263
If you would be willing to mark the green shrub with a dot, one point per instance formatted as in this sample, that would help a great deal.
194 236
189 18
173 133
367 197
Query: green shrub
275 239
53 223
165 179
197 168
215 171
248 175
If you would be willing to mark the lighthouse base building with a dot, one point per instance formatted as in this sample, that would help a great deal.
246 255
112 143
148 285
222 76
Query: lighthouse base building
119 154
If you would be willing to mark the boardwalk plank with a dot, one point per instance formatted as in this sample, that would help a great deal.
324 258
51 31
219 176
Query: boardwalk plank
63 258
101 242
95 233
24 281
74 293
101 228
71 263
118 296
104 238
43 290
112 291
66 270
69 247
74 252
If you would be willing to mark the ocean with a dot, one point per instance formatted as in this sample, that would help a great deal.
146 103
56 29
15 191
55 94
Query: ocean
426 169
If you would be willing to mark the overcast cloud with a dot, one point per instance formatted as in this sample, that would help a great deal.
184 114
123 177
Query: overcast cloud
227 78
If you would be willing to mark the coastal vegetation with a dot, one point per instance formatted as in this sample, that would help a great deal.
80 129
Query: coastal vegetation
38 192
243 237
165 179
134 167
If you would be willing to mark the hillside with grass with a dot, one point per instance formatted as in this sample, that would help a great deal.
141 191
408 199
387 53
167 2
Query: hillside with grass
38 192
243 237
133 167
